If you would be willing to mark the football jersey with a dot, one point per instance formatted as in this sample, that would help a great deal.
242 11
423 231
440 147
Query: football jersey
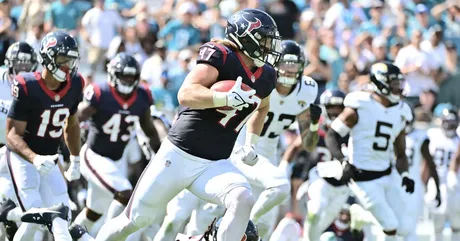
375 132
283 112
442 148
414 141
211 133
44 110
5 101
115 119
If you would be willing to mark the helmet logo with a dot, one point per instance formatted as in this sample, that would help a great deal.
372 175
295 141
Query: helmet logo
243 28
50 42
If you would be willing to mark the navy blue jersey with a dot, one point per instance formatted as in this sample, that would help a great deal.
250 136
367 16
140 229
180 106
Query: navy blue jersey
211 133
44 110
111 126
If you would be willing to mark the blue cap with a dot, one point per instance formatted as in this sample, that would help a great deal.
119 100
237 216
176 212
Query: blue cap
421 8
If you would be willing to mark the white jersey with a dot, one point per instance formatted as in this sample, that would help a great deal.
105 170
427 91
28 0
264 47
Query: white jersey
369 146
283 112
5 102
414 141
442 148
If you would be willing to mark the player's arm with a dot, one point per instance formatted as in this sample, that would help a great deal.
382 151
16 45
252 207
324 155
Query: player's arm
402 164
257 120
429 162
194 92
85 111
72 135
308 126
340 128
146 122
15 131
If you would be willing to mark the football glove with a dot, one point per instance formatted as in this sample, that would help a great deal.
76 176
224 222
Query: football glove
73 173
248 155
236 97
45 163
407 183
315 113
348 172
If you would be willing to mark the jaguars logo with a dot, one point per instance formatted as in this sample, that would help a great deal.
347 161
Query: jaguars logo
302 103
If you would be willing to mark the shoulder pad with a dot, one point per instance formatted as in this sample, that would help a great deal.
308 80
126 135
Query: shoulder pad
406 111
213 54
355 99
308 89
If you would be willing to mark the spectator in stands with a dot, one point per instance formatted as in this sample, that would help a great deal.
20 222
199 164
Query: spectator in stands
128 42
34 38
448 13
155 65
421 21
374 26
7 29
396 44
99 27
63 14
285 14
32 15
316 67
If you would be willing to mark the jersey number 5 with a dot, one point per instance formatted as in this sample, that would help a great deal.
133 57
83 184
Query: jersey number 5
380 133
57 121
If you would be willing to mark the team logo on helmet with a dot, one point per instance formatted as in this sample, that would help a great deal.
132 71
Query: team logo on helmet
246 26
50 42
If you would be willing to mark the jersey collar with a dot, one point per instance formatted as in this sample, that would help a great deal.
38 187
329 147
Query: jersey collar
53 95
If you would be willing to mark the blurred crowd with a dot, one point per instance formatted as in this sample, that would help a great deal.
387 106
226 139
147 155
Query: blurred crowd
342 38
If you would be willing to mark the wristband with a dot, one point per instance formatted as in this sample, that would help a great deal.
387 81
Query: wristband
251 139
405 174
219 99
314 127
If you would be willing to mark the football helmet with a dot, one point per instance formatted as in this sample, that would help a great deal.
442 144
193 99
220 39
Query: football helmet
387 80
448 117
20 57
332 100
256 34
59 54
291 64
124 73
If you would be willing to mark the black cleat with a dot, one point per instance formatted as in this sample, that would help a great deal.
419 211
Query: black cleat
5 208
10 228
45 216
76 231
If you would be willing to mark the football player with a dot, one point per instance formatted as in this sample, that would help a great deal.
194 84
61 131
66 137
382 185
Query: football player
113 109
326 196
375 120
417 151
442 146
43 110
20 57
291 100
195 154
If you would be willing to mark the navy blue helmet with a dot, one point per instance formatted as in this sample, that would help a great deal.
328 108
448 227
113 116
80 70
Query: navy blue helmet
124 73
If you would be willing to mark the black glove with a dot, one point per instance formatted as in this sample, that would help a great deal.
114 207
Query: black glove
438 198
408 184
315 113
348 172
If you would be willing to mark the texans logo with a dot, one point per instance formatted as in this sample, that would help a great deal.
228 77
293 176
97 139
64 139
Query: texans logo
50 42
244 26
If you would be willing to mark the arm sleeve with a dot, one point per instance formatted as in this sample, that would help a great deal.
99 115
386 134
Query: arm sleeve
20 105
334 144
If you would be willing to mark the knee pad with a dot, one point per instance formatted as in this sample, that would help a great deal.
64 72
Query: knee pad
239 199
123 196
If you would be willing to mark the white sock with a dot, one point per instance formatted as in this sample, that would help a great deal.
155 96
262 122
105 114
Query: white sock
83 221
86 237
60 230
116 229
14 214
26 232
115 209
233 225
267 200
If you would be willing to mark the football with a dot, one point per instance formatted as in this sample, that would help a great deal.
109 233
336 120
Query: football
226 85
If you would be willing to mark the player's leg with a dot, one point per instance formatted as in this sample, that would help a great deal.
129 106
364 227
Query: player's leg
274 182
413 209
166 175
178 212
203 216
288 229
108 189
222 183
454 213
316 204
26 183
372 197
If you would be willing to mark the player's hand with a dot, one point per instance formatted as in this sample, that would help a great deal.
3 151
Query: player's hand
452 180
45 163
408 184
348 171
73 173
248 155
315 113
438 198
238 98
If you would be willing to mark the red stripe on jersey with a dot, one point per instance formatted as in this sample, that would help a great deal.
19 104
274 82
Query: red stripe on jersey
83 81
51 93
22 82
223 50
125 104
97 90
256 75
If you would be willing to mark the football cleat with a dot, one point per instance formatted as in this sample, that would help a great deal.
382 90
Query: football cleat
45 216
76 231
5 208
